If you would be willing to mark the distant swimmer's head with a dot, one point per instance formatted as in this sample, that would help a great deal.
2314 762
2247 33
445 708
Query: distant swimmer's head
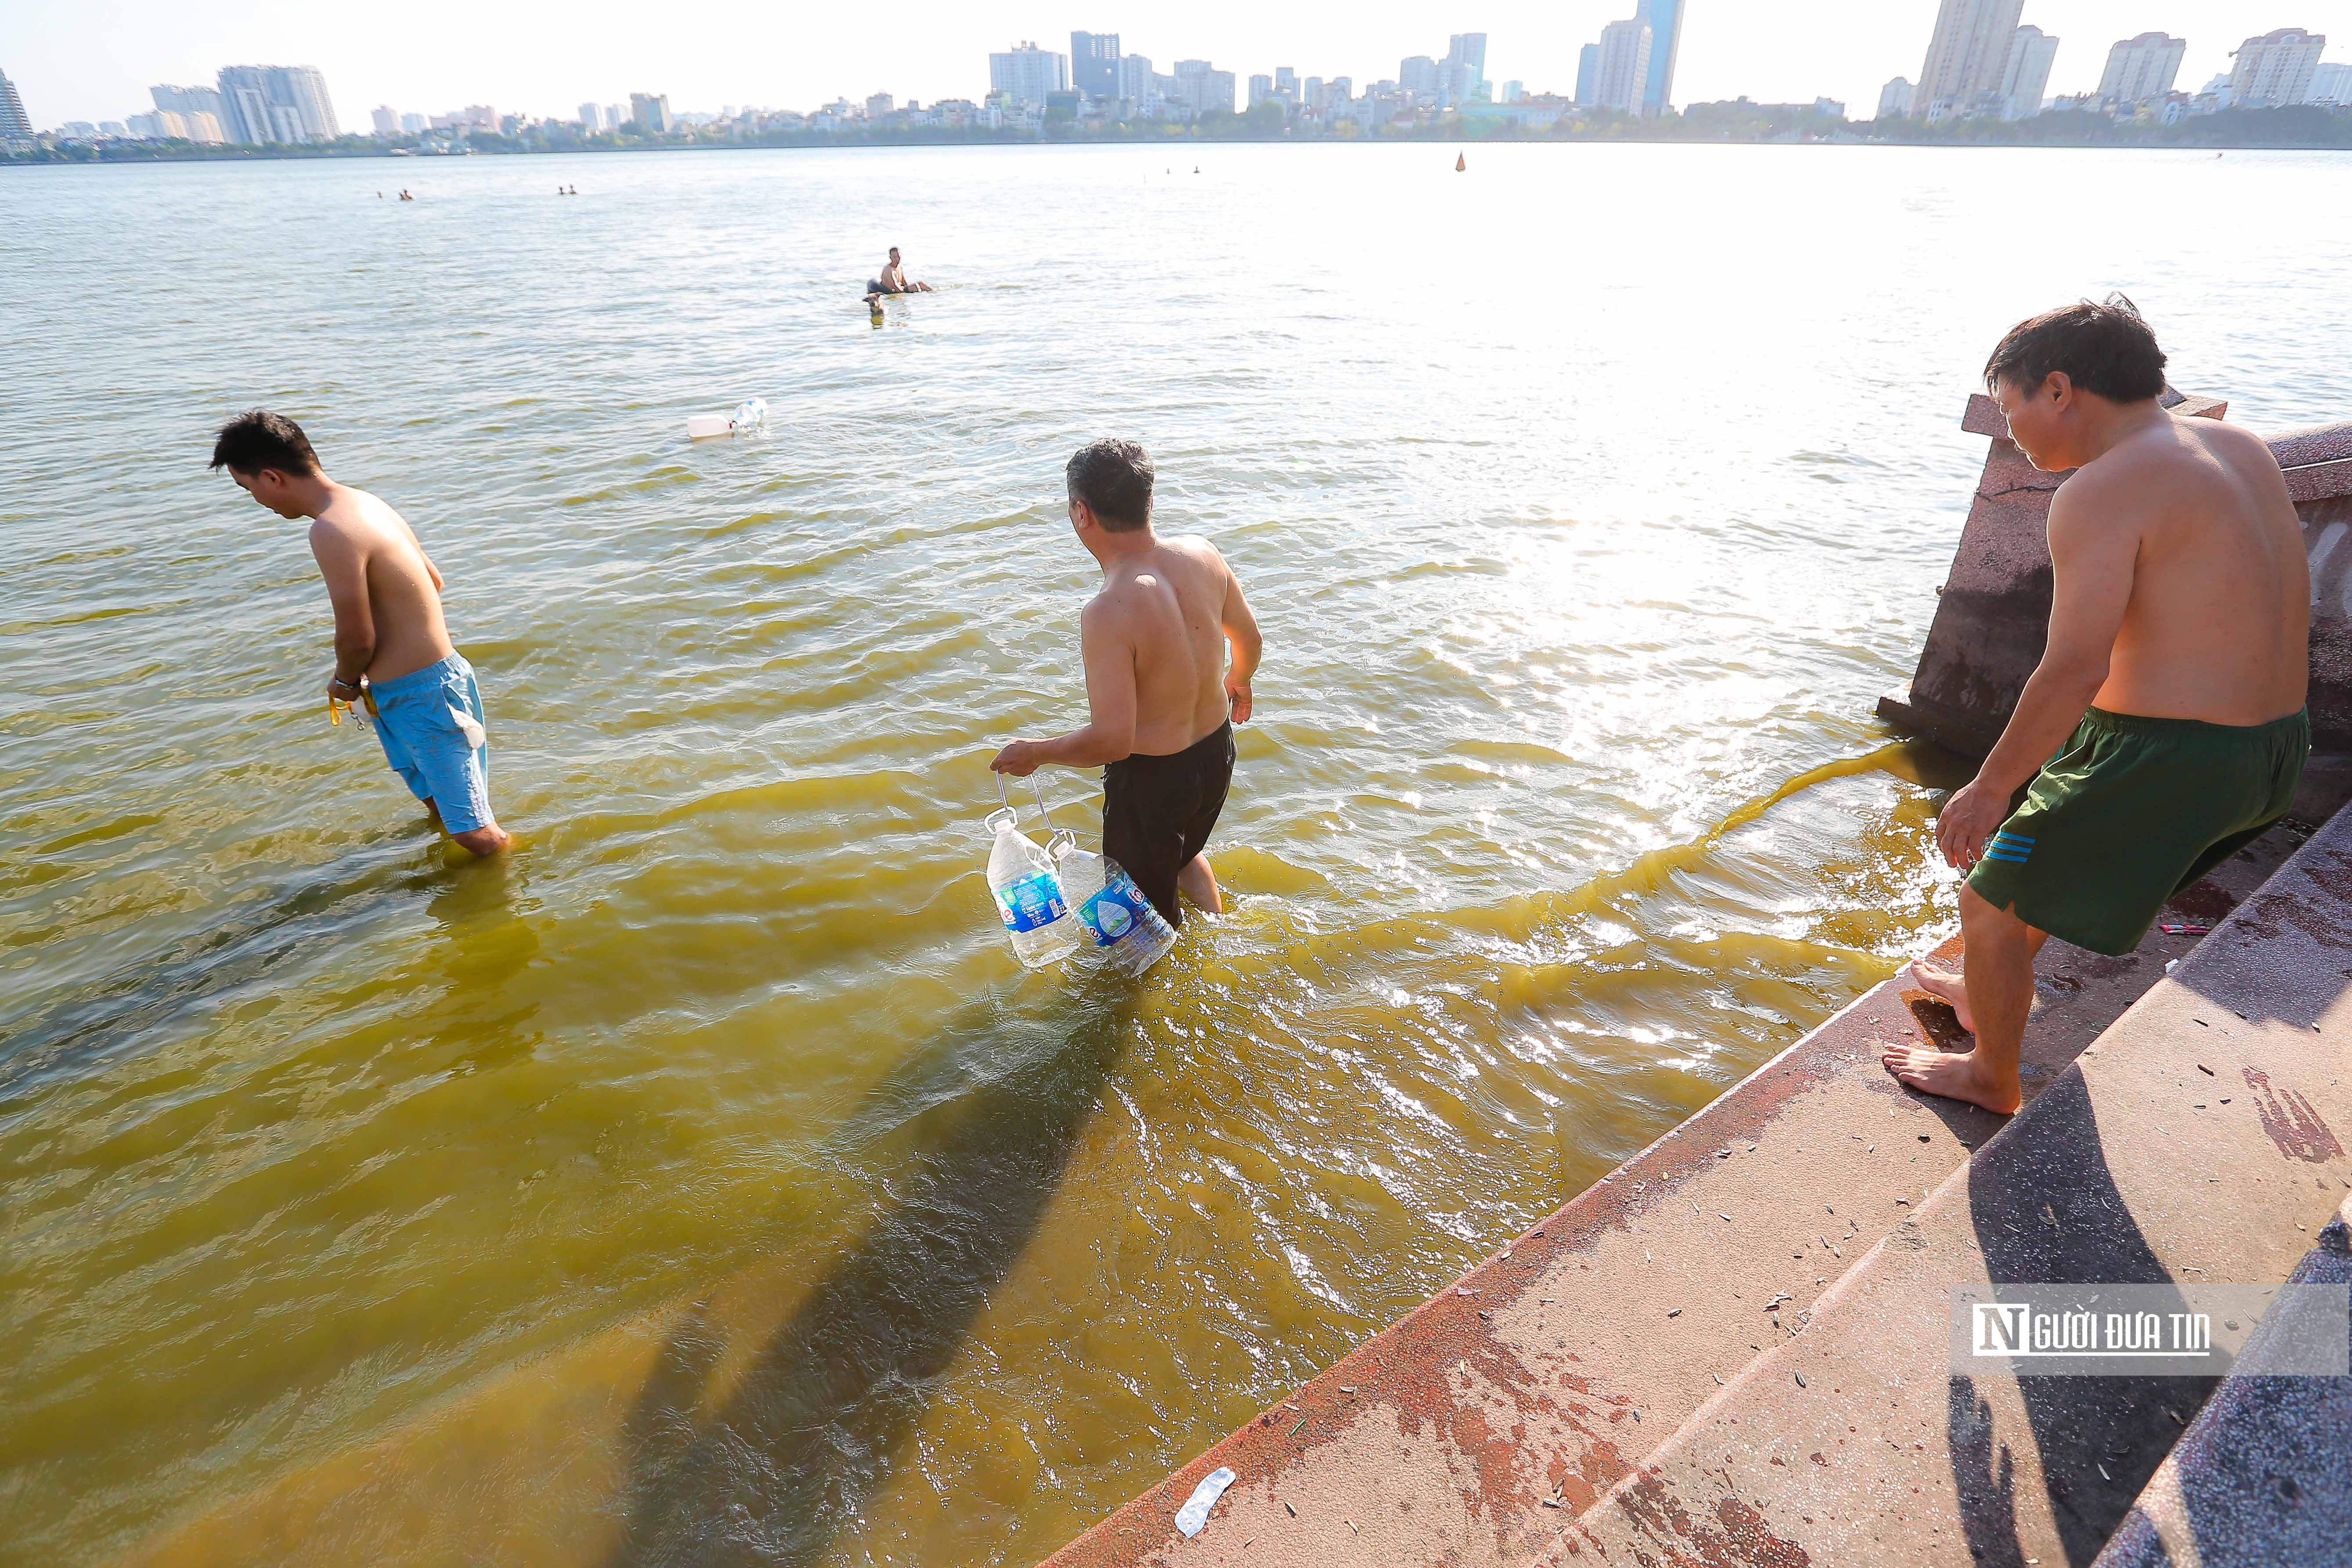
268 455
2049 369
1111 486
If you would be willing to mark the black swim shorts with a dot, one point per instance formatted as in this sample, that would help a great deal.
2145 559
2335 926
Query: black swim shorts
1158 813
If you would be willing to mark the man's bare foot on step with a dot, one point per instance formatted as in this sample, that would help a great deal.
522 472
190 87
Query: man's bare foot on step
1946 987
1955 1074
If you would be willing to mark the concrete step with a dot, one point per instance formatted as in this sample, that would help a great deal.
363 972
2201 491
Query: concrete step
2263 1478
2201 1138
1474 1430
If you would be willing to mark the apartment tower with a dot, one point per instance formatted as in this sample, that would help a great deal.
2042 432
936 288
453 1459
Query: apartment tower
1967 57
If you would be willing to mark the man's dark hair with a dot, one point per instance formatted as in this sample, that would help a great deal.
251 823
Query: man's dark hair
2108 349
1113 477
259 439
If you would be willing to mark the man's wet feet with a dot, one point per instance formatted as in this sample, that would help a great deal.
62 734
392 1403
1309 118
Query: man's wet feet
1946 987
1955 1074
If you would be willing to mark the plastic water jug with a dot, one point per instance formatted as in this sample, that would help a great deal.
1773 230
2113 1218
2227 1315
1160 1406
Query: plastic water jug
1131 932
1028 892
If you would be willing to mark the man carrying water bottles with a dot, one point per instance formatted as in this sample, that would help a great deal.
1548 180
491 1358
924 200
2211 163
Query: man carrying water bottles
1161 699
391 649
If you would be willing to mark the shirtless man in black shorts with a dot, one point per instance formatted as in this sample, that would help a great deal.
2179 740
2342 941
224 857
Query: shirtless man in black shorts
1161 698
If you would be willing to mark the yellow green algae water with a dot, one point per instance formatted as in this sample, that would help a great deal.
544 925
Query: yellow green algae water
1588 500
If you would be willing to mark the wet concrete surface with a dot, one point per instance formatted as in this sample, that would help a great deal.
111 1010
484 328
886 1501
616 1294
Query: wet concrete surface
1542 1385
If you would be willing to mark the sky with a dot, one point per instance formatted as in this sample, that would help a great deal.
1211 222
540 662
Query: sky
94 60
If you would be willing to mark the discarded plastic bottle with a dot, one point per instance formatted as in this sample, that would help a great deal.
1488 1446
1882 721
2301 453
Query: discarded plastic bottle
1124 924
1028 893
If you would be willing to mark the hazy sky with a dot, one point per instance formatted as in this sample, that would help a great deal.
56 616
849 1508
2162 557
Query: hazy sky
93 59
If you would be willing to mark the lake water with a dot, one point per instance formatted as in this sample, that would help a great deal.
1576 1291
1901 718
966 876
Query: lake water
1588 500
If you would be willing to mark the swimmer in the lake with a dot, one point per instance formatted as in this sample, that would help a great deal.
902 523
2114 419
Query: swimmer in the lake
392 652
1161 699
893 280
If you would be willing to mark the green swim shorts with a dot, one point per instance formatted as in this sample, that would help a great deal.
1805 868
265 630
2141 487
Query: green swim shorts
2131 811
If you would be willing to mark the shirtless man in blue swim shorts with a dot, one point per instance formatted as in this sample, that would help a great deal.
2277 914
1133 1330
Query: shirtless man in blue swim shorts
392 653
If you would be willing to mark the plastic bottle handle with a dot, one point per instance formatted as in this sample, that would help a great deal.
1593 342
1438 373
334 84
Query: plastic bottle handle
1043 814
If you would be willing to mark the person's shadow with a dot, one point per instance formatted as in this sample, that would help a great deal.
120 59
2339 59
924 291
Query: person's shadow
2047 1209
773 1470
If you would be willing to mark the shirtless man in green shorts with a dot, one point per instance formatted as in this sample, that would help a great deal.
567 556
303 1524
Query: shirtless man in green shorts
1160 699
2165 726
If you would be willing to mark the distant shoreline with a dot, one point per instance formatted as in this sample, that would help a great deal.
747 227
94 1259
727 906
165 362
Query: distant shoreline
2300 129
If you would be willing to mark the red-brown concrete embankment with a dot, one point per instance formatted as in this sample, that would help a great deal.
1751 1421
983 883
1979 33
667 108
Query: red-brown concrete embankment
1472 1431
2201 1139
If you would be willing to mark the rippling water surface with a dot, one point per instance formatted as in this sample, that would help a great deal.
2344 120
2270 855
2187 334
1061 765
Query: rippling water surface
1588 498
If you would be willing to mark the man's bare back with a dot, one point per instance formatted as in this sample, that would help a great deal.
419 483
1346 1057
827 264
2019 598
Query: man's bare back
2164 728
393 651
1166 611
1159 688
384 588
2218 621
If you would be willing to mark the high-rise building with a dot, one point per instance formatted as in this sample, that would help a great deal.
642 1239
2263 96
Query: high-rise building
2027 76
879 106
1967 57
592 117
1029 73
2142 67
2276 69
1134 79
1200 88
1418 73
1261 89
13 122
2331 84
1622 72
1467 49
1666 19
415 124
385 118
1094 64
282 104
1894 99
188 102
649 112
1285 84
1588 73
1513 91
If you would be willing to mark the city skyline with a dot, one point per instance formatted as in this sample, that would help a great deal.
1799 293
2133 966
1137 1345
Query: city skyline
1840 49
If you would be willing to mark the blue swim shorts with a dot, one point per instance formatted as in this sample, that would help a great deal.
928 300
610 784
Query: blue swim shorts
422 717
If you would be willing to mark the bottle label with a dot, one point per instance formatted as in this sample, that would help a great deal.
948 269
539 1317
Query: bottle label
1115 912
1031 902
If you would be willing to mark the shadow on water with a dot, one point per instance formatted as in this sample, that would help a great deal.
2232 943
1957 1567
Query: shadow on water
772 1470
317 907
